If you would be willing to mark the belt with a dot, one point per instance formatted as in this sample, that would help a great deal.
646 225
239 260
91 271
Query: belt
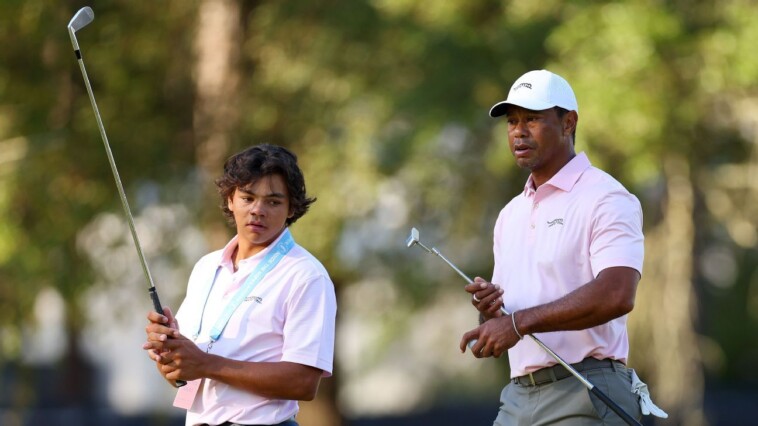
558 372
287 422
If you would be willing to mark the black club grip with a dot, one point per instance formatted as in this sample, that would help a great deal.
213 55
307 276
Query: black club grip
613 406
158 308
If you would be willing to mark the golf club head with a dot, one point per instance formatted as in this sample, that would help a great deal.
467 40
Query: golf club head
81 19
413 238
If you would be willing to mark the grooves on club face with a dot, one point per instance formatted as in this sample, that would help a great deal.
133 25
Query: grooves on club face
81 19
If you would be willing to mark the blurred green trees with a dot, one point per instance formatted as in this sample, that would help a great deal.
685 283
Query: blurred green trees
385 102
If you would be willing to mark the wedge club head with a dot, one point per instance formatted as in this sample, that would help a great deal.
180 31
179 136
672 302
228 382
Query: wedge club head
81 19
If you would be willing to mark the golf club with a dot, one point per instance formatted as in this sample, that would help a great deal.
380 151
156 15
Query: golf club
81 19
413 239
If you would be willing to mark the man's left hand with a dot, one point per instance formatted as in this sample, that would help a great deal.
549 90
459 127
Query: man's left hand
493 338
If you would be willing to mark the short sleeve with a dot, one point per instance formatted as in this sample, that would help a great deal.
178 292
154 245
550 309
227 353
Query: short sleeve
616 233
310 322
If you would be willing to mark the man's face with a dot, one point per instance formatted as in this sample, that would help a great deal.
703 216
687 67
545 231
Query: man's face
540 140
260 212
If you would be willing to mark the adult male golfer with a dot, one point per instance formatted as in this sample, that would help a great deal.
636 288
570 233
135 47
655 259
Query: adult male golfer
568 256
257 323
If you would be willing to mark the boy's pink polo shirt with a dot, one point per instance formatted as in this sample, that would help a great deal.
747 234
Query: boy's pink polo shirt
551 241
289 316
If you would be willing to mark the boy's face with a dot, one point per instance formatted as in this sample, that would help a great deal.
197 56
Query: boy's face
260 213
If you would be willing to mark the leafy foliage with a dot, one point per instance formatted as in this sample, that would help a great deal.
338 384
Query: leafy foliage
385 103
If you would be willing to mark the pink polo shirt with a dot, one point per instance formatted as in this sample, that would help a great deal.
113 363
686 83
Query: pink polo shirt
551 241
289 316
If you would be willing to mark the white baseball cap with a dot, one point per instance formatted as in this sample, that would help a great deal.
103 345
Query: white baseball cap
538 90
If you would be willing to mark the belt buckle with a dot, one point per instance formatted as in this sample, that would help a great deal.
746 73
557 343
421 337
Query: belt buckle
531 379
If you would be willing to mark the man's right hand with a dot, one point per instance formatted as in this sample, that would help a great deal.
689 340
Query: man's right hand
486 297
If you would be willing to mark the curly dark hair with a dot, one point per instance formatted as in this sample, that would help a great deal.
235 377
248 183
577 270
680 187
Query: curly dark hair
247 167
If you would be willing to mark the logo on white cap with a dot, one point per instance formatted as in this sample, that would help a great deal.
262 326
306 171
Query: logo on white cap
538 90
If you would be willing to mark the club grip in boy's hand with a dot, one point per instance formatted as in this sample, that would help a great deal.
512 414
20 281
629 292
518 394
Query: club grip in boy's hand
158 308
156 302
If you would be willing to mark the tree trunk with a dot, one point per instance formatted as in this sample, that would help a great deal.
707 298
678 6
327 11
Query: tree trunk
666 351
217 79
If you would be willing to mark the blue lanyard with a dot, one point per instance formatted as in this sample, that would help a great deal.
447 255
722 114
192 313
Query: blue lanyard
268 263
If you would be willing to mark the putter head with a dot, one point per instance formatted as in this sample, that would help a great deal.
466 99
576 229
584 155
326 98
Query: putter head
81 19
413 238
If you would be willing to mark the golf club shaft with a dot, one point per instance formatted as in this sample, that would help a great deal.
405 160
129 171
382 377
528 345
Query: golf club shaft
591 387
124 202
455 268
120 187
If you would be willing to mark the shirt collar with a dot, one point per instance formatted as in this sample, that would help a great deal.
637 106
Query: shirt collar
566 177
226 255
228 251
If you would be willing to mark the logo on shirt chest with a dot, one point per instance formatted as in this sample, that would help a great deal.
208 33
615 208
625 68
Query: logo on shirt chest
258 300
558 221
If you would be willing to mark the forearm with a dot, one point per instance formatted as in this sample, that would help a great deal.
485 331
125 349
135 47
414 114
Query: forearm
603 299
276 380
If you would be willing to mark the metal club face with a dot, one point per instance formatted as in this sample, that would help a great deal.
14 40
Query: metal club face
81 19
413 240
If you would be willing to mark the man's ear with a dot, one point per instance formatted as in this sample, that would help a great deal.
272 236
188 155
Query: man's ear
570 121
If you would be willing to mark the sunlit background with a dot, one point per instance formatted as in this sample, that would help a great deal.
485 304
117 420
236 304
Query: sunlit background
385 102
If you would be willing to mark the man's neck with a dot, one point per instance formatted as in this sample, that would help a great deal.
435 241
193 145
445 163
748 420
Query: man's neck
541 176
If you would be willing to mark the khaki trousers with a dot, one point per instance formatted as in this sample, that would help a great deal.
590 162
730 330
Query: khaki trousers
567 402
